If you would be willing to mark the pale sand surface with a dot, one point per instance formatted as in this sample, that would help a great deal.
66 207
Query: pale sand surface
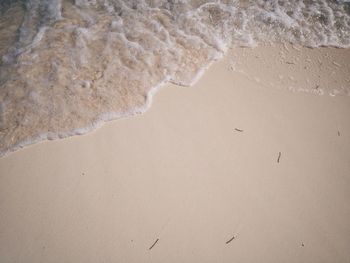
182 174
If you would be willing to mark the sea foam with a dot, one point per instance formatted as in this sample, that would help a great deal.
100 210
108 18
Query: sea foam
68 66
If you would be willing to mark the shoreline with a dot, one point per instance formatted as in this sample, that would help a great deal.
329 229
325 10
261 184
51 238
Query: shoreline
289 50
231 157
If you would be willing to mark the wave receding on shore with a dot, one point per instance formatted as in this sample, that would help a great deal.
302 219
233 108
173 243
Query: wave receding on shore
69 66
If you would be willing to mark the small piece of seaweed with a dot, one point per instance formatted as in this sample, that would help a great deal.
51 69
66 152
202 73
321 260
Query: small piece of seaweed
229 241
279 157
155 242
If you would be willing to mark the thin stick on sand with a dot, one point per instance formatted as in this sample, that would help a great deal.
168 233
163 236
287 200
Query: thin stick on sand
239 130
279 157
229 241
155 242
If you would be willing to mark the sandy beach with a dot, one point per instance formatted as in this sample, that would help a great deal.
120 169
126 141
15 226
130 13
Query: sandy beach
250 164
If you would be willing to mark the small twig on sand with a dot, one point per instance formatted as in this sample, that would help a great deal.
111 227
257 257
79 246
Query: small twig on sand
155 242
239 130
338 133
279 157
229 241
290 63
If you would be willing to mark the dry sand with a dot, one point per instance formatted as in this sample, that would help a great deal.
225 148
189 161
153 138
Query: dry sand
237 155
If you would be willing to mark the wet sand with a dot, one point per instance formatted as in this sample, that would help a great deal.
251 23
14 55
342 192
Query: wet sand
242 167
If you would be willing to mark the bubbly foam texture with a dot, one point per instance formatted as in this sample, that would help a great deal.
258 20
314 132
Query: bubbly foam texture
69 65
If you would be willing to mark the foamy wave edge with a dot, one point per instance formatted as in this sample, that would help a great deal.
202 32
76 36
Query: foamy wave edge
108 116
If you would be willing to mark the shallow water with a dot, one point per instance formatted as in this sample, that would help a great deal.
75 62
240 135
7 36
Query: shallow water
68 65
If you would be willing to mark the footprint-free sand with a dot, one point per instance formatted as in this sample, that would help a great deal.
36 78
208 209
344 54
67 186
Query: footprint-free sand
252 154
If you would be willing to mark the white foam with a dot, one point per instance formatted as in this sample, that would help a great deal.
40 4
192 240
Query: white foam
80 63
